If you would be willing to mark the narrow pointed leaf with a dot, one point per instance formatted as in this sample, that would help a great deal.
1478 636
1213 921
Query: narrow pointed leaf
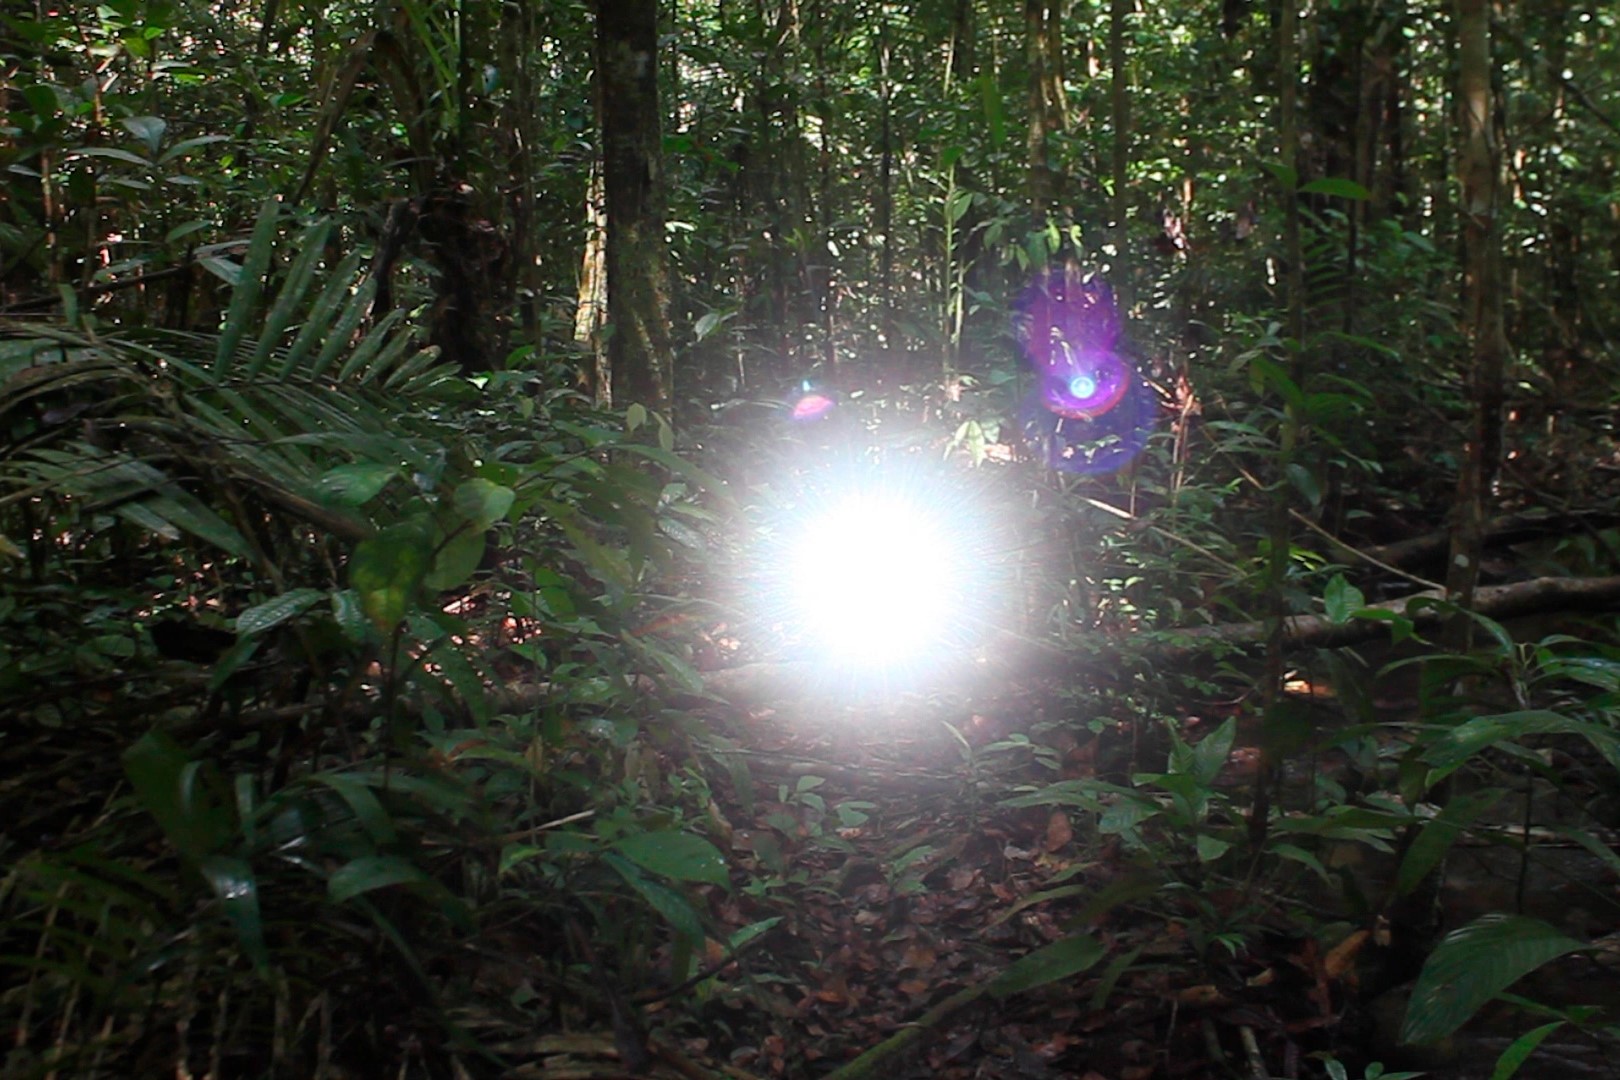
233 881
1049 964
323 315
342 334
245 297
277 610
370 872
1472 965
292 296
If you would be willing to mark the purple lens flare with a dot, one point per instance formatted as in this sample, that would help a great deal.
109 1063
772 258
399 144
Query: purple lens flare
1090 386
1090 412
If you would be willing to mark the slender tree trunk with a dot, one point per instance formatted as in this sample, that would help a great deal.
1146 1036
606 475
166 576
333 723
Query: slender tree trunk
885 206
1479 167
591 312
1043 47
640 355
1119 97
959 45
1280 532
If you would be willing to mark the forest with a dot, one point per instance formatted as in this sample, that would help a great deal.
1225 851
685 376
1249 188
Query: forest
810 538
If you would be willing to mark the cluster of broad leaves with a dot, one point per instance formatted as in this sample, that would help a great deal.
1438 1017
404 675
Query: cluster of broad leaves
430 714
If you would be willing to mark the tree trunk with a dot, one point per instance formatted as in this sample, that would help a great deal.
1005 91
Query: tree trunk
1280 531
885 206
640 355
1119 98
591 311
1048 114
1478 167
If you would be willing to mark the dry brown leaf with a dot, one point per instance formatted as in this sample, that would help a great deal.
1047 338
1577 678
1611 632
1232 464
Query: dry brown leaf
1058 831
1338 961
1201 995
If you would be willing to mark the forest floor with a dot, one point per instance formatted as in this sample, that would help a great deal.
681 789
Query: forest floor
884 828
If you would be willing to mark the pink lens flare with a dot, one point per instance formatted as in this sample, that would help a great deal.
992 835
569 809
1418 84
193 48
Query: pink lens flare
812 406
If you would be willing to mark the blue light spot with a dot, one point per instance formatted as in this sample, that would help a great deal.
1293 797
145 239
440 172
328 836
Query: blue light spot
1082 386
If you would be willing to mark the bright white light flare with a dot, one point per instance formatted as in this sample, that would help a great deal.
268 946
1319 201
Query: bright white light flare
871 580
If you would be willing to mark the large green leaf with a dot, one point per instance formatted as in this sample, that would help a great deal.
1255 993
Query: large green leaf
1439 834
1048 964
167 785
357 483
387 570
677 855
1464 741
370 872
483 502
675 908
1474 964
277 610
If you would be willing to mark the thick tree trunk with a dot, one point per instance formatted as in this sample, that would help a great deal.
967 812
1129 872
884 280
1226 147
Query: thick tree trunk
639 351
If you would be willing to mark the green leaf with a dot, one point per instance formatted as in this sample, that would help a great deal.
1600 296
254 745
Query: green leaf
995 113
1342 599
165 784
246 294
289 605
483 502
674 907
1210 755
148 129
1521 1049
186 146
363 803
1048 964
355 484
1337 186
350 616
1285 176
387 570
1472 965
370 872
744 934
676 855
1439 834
233 881
112 153
1304 481
1482 732
634 417
292 296
456 560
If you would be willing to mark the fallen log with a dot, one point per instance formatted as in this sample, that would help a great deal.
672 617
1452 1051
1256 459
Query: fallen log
1494 601
1010 658
1431 548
